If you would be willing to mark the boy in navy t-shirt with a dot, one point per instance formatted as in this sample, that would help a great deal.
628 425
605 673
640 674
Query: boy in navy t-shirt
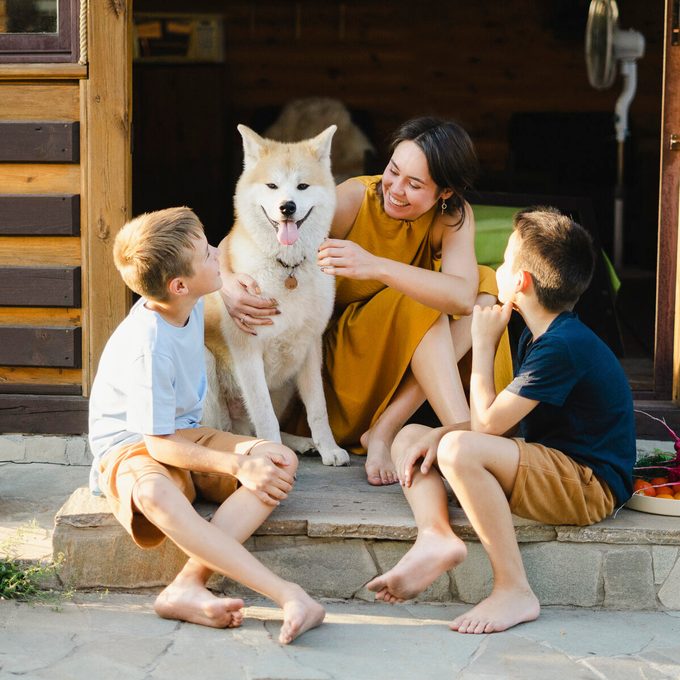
574 462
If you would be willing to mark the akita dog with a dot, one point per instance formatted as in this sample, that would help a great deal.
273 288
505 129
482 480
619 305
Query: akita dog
285 199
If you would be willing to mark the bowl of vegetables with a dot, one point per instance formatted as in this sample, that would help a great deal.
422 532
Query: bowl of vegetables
656 480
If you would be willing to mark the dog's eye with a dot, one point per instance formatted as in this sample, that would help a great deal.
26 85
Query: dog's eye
272 186
302 186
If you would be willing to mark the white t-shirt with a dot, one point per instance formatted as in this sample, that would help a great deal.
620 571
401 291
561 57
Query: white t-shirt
151 380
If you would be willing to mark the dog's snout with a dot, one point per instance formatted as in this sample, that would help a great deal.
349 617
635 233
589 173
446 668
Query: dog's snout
288 208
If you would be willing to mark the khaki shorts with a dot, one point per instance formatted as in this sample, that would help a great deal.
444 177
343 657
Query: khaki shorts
122 467
553 488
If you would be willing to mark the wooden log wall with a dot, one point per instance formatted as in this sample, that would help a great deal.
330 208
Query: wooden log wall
40 235
64 165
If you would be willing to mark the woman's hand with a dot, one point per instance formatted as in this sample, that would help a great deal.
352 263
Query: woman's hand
246 306
346 258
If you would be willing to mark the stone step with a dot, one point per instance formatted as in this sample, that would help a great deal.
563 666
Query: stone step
335 533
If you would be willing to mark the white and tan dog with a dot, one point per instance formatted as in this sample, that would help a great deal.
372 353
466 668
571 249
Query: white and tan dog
285 199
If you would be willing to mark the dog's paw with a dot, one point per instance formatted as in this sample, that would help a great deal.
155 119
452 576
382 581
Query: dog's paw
335 456
301 445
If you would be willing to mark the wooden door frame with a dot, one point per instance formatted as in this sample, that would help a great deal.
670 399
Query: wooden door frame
107 102
666 345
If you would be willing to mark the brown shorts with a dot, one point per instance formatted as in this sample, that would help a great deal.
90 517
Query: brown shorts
121 468
553 488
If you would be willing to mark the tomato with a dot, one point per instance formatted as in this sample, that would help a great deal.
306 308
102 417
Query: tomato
644 488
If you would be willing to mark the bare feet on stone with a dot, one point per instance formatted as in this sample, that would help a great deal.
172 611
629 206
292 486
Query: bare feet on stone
503 609
192 602
380 470
300 614
432 554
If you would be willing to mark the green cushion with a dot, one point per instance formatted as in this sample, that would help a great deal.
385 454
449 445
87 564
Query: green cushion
494 226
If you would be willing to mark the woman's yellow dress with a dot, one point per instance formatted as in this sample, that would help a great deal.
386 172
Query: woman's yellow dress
375 329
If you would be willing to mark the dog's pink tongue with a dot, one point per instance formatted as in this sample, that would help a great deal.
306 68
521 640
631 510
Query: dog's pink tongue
287 233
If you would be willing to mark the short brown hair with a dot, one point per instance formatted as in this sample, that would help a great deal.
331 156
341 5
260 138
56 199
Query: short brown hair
154 248
557 252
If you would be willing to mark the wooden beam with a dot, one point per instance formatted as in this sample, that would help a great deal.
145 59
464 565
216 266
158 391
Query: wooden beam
54 178
40 286
43 414
39 215
40 101
107 170
48 250
34 346
42 71
39 142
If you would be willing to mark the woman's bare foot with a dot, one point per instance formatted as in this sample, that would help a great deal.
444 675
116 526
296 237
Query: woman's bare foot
380 469
503 609
192 602
432 554
300 613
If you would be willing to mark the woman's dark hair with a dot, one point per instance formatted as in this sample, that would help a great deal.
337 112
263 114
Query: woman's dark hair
450 156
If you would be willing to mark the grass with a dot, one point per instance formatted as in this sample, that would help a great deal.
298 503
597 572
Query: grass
25 581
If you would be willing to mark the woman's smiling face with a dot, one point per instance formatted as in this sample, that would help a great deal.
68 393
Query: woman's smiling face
408 190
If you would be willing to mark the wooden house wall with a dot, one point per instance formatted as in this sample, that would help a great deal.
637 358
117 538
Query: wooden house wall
64 193
40 237
480 62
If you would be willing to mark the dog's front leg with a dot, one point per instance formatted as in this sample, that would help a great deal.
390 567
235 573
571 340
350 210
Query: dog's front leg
249 371
310 387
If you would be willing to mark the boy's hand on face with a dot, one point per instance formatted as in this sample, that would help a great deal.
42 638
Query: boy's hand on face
264 473
488 323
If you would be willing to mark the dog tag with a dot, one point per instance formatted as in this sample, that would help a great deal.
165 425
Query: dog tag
290 282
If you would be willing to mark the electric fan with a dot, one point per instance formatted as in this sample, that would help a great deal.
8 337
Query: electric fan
607 46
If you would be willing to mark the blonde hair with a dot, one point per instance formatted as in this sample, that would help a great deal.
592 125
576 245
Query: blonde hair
154 248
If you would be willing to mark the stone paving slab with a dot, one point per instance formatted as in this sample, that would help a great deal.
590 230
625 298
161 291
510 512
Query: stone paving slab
118 636
335 533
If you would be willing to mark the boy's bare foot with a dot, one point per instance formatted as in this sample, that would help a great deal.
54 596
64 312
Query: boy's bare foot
380 469
300 613
432 554
192 602
500 611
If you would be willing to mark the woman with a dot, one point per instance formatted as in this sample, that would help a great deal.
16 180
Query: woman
402 247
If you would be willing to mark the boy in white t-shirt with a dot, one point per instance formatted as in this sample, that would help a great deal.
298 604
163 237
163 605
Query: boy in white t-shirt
151 456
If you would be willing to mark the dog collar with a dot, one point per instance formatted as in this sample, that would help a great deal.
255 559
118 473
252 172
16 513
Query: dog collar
291 282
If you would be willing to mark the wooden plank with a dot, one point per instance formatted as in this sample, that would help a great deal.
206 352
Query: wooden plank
39 388
42 71
42 178
40 316
40 286
39 142
43 414
40 101
34 346
28 250
24 375
108 168
39 214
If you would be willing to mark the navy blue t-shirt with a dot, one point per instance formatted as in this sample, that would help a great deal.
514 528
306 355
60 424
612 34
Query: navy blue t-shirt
586 406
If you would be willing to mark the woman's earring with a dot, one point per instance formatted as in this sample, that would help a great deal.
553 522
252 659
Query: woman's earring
444 206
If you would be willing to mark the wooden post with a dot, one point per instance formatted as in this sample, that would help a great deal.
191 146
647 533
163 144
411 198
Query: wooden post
107 175
667 347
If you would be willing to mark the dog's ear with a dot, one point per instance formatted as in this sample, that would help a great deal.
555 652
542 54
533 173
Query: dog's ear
321 144
252 144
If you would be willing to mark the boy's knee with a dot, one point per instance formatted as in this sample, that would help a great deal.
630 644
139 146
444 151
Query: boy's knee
405 437
151 495
456 451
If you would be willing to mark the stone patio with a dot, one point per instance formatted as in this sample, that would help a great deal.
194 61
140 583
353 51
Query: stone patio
335 533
